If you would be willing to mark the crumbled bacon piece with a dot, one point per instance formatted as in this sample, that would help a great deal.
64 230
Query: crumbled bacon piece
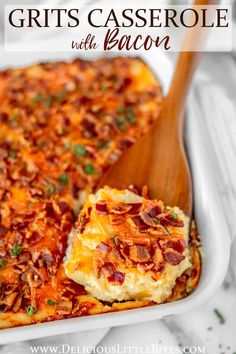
173 257
116 219
125 143
134 208
101 207
64 307
148 220
108 268
103 247
35 237
156 210
83 220
168 220
140 223
177 245
120 208
139 254
117 277
156 254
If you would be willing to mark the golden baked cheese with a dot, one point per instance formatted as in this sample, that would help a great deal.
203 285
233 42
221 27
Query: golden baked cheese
61 125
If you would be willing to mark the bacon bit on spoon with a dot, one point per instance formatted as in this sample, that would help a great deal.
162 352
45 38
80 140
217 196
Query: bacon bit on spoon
117 277
140 223
82 223
148 220
103 247
108 268
168 220
101 208
156 254
139 254
177 245
116 219
156 210
173 257
64 307
120 208
135 208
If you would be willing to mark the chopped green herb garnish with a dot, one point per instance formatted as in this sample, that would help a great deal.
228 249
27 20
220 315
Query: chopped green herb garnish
82 219
51 189
122 127
51 302
104 87
157 221
121 119
30 310
37 98
116 240
121 109
174 214
79 150
220 316
64 179
166 230
15 251
89 169
3 264
131 117
48 102
12 153
30 205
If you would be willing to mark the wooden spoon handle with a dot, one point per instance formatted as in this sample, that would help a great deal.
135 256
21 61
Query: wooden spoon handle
185 67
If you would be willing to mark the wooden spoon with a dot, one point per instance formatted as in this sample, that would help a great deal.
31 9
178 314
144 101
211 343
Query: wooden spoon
158 159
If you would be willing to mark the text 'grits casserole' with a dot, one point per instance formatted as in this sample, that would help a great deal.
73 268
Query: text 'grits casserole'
61 126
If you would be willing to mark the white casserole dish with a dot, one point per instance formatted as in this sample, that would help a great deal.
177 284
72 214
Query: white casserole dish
207 209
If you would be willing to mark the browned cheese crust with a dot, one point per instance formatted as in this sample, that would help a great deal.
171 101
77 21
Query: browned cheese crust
61 125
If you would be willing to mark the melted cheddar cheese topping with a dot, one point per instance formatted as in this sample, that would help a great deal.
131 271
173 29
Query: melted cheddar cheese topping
61 125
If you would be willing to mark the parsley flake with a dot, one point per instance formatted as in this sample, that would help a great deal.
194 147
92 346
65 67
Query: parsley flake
220 316
79 150
15 251
51 189
30 310
116 240
51 302
64 179
37 98
89 169
3 264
